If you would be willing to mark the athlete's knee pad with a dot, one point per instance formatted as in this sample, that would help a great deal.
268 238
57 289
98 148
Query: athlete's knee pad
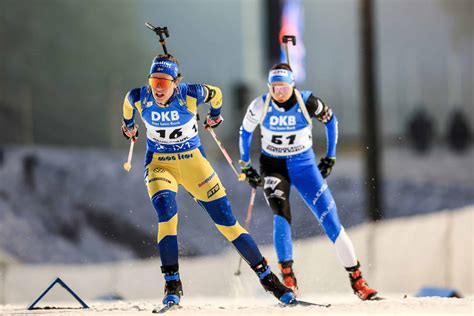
164 203
277 195
280 207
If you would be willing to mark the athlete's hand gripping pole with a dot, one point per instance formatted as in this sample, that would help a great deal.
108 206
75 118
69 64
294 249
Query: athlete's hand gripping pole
240 176
285 40
161 32
247 222
128 165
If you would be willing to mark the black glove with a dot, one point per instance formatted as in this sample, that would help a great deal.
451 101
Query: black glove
130 133
252 176
325 166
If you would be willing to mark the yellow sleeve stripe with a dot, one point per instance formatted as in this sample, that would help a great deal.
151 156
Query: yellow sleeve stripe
169 228
127 108
138 105
191 103
231 232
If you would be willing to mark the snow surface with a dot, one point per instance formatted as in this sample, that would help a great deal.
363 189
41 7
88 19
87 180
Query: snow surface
395 304
211 288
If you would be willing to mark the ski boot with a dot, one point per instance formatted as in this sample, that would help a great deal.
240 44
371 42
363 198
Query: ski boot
173 286
271 283
288 275
359 285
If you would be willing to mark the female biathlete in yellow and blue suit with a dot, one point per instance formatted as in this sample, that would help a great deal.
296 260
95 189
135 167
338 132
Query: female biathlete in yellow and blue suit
175 157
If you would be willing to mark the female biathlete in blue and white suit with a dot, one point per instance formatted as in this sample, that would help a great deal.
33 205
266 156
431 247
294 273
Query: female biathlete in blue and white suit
287 158
175 157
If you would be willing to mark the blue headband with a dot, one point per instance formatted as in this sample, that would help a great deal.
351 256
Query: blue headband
281 75
164 65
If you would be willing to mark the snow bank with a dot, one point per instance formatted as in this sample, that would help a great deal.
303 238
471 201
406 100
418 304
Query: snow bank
398 256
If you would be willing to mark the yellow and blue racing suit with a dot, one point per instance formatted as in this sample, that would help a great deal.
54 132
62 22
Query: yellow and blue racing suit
175 157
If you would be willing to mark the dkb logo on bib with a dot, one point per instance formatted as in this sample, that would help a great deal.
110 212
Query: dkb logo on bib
283 120
165 116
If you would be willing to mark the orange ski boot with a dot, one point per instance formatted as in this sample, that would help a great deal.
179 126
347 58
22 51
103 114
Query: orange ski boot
288 275
359 285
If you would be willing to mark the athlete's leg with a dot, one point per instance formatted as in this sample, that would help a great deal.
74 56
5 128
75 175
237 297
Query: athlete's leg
277 194
200 179
306 177
162 187
314 190
202 182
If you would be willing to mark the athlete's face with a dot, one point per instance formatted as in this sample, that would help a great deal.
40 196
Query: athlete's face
280 91
163 86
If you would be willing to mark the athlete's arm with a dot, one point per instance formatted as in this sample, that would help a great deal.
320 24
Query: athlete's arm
214 97
250 122
129 108
197 94
324 114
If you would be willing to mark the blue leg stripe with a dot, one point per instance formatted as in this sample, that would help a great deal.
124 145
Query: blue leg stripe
164 202
282 238
220 211
168 248
247 247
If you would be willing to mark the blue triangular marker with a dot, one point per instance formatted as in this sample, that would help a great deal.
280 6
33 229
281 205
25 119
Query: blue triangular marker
64 285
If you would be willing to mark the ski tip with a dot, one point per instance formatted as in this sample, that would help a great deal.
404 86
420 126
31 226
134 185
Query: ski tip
296 302
376 298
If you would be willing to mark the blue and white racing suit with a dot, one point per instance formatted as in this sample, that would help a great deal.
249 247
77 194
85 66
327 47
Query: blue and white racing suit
287 159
